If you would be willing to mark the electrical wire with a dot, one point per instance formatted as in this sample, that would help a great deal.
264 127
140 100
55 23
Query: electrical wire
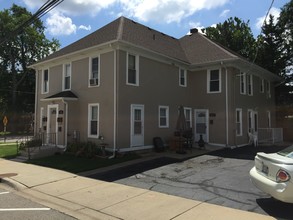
44 9
264 22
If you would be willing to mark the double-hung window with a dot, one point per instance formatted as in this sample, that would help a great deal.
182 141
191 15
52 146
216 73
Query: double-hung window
262 86
182 77
214 81
94 71
45 80
249 84
67 76
242 83
163 116
268 89
132 73
239 122
188 113
93 120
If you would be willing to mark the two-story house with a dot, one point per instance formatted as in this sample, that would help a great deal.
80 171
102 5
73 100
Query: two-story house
125 82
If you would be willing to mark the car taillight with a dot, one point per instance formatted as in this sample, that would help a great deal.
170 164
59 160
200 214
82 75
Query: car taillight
282 176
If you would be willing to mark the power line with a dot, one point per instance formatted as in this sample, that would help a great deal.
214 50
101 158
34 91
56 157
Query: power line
48 6
264 22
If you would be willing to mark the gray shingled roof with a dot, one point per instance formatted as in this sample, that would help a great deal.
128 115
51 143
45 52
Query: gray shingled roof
199 49
126 30
194 49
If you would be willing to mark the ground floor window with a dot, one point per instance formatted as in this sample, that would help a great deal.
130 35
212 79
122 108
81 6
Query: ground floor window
188 117
239 122
93 120
163 116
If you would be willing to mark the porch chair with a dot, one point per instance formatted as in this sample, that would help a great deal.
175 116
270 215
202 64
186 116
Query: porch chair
253 138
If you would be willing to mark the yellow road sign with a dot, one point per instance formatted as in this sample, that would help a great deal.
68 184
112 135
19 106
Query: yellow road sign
5 120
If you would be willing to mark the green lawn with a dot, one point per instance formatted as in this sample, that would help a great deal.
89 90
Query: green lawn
73 164
8 150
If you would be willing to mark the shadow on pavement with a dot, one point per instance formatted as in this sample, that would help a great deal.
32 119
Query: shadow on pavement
246 152
130 170
275 208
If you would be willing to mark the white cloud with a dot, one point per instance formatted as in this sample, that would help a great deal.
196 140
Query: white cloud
167 10
224 13
83 27
274 11
58 24
196 25
157 10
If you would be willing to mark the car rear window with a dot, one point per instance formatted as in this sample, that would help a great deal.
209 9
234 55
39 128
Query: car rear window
287 152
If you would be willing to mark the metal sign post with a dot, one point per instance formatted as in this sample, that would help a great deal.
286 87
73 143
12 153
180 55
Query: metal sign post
5 121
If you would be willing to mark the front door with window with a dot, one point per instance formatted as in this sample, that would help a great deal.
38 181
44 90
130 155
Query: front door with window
252 121
201 118
137 125
52 125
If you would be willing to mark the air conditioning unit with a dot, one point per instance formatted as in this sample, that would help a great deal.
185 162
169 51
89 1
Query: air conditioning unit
94 82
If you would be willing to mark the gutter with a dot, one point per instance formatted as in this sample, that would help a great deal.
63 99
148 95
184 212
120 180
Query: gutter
36 101
115 106
226 104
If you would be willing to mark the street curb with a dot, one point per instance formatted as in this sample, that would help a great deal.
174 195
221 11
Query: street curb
13 184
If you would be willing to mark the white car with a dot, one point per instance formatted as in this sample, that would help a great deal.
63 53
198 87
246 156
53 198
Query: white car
273 174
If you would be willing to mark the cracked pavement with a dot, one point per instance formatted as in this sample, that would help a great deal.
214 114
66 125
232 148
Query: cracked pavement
217 180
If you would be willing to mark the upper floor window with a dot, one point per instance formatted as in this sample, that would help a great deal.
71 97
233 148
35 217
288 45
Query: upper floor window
188 113
249 84
132 73
239 122
214 81
163 116
242 83
94 71
182 77
268 89
45 81
67 76
262 86
93 120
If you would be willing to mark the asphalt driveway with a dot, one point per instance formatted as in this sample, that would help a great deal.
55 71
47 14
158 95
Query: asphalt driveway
221 177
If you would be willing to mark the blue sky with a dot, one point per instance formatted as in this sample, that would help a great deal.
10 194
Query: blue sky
74 19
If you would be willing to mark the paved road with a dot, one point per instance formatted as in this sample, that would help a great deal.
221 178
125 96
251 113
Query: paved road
220 178
13 206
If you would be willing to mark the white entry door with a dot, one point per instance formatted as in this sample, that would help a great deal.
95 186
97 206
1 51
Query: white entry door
137 125
52 125
201 117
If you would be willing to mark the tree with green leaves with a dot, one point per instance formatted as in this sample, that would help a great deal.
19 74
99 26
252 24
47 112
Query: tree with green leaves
18 50
234 34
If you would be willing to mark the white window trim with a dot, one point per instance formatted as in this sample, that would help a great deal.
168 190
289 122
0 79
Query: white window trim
269 119
89 120
63 77
190 115
136 68
43 74
90 70
268 89
262 86
250 82
167 116
185 77
208 80
243 79
240 122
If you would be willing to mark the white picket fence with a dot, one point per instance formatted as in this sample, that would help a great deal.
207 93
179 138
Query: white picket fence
269 135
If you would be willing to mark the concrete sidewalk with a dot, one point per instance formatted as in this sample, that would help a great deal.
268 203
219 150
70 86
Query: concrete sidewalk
85 198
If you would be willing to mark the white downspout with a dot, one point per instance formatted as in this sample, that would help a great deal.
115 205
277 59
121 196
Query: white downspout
36 102
226 104
115 107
